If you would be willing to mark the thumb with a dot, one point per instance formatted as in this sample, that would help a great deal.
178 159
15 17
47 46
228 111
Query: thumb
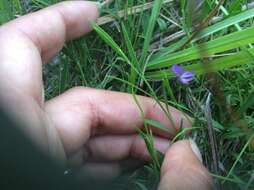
182 168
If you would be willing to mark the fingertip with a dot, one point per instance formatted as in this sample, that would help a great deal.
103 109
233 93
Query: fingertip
49 28
175 154
182 169
78 16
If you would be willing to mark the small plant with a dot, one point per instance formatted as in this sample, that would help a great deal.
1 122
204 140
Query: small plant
141 47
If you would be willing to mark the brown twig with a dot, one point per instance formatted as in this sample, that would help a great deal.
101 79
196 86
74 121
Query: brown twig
212 139
130 11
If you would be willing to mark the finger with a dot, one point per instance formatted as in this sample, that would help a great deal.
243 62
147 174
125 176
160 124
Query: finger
24 41
182 168
51 27
113 148
81 113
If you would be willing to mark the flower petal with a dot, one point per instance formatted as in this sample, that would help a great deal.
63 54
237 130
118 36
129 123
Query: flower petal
186 77
188 74
178 70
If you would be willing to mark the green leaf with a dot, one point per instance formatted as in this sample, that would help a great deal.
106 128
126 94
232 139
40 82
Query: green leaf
132 54
149 32
118 50
248 103
219 45
226 23
156 124
104 35
237 59
149 141
162 24
208 31
41 3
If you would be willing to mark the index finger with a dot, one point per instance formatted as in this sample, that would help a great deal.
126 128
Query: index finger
32 39
81 113
51 27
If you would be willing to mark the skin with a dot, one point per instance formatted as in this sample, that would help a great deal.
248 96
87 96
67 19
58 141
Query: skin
93 130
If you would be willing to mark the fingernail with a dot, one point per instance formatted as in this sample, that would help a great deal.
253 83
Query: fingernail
195 149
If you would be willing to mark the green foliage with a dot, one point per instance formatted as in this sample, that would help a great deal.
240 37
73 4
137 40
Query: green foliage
149 31
157 125
134 54
213 47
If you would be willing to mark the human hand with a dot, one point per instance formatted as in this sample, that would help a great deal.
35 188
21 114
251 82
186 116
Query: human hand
92 129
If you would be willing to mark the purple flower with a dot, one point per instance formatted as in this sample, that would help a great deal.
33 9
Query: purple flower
185 77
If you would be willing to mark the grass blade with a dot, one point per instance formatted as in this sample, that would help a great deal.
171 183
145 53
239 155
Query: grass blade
151 24
110 41
222 44
133 57
237 59
208 31
156 124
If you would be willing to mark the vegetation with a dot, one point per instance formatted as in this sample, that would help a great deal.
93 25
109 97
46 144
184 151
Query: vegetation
132 49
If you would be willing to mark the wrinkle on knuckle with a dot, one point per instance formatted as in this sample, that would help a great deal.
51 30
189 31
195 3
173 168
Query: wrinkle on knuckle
133 147
138 149
89 103
62 22
96 118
